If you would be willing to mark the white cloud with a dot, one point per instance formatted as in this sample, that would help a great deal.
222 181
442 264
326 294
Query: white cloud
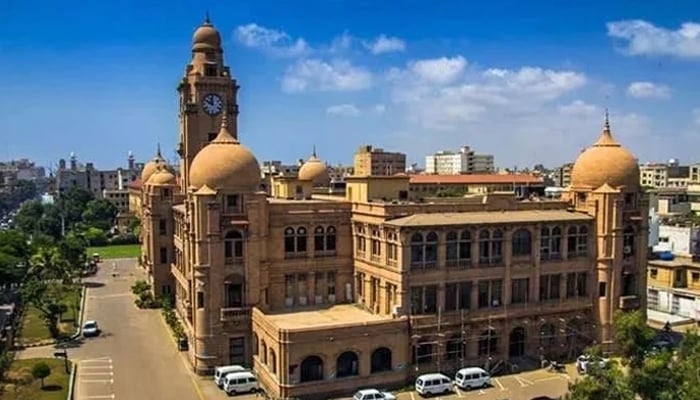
644 38
345 110
648 90
379 109
318 75
438 70
341 43
385 44
696 115
271 41
579 109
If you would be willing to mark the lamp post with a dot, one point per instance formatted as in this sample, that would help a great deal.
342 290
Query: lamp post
63 354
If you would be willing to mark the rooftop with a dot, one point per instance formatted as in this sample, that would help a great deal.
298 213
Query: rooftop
489 217
337 315
475 179
677 262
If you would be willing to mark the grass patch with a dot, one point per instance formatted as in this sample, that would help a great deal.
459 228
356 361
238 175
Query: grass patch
21 385
34 328
116 251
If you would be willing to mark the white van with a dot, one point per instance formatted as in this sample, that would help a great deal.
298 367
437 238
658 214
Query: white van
221 372
429 384
240 382
470 378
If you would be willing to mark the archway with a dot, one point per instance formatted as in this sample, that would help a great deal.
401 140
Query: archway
311 369
517 342
381 360
347 365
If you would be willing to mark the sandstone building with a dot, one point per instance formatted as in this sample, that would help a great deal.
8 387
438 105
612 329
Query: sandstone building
322 294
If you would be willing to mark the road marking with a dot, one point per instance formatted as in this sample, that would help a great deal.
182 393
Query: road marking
101 359
97 373
110 381
481 391
459 392
108 296
499 383
111 396
552 377
412 396
110 366
523 382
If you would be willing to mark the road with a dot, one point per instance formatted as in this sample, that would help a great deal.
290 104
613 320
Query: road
135 357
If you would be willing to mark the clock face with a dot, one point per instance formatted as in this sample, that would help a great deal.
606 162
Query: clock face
212 104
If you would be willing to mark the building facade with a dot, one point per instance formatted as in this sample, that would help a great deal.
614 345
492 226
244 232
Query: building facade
465 161
323 293
369 160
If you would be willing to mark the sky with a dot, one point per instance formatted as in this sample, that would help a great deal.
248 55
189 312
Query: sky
528 84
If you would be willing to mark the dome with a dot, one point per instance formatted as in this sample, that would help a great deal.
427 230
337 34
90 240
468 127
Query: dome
606 162
314 170
206 37
162 177
225 164
152 166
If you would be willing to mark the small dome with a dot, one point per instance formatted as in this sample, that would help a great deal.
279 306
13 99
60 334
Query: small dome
225 164
152 166
314 170
606 162
162 177
206 37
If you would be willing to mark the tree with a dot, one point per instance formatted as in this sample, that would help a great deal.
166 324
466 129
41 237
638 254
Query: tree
633 336
28 216
95 236
656 379
46 297
41 370
100 213
72 204
601 383
48 263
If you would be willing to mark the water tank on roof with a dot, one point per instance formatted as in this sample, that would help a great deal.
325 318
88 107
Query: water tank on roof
666 256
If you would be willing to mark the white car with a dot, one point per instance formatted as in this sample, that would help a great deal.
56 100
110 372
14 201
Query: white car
584 361
372 394
90 328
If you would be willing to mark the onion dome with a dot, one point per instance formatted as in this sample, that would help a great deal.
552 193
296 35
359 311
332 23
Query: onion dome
314 170
152 166
206 37
162 177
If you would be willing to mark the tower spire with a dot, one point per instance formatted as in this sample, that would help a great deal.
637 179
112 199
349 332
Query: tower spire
158 151
313 153
207 21
607 121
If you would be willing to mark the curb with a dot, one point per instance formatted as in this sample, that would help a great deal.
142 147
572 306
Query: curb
71 382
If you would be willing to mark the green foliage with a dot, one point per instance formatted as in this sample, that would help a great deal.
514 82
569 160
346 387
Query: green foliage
45 296
15 194
632 336
41 370
28 216
144 297
95 236
172 320
100 213
139 287
602 383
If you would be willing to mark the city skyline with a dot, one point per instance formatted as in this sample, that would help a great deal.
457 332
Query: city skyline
340 74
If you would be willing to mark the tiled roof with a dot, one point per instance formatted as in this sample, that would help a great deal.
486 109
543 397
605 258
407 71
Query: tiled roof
489 217
476 179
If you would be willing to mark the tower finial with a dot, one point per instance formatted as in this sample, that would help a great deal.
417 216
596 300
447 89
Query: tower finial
158 151
224 120
206 18
313 153
607 120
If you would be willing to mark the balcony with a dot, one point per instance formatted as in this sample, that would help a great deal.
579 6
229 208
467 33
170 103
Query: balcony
629 302
418 265
233 261
464 263
235 314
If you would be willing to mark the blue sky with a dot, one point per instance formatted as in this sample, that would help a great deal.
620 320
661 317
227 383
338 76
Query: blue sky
527 84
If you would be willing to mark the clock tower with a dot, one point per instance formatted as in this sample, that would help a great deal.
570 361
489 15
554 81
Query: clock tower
207 92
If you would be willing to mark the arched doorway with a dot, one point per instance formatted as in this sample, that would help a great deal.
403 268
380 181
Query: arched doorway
381 360
347 365
311 369
517 342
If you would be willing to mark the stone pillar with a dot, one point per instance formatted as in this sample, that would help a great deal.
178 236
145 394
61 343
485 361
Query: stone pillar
205 357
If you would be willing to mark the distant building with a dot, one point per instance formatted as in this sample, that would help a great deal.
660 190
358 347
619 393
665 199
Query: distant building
20 170
102 183
562 175
465 161
522 185
659 175
377 162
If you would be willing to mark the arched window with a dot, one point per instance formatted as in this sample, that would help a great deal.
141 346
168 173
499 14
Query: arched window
273 361
319 239
424 250
522 242
465 245
380 360
330 238
490 247
451 249
488 343
289 240
548 335
577 241
255 344
263 352
347 364
555 243
233 246
301 240
454 348
311 369
628 241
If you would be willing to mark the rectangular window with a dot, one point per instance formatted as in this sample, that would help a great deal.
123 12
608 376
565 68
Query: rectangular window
451 296
301 287
360 284
233 203
233 295
163 255
554 283
465 295
430 299
200 299
496 293
483 294
601 289
330 283
695 276
236 351
582 284
520 291
162 228
653 273
417 300
570 285
289 283
210 70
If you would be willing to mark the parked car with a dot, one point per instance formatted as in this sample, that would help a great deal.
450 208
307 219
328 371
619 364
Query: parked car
584 361
372 394
90 328
221 372
240 382
435 383
471 378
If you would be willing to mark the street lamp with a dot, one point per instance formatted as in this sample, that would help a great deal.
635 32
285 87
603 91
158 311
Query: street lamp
63 354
